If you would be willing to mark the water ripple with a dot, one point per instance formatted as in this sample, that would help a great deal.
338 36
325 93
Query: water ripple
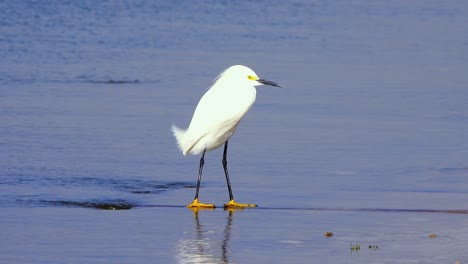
105 205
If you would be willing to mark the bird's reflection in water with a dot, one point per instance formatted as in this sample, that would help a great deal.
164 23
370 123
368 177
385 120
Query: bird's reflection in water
204 245
227 236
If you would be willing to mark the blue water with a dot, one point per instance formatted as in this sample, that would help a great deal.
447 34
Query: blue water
367 140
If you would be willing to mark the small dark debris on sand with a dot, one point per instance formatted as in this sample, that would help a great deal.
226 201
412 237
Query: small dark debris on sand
374 247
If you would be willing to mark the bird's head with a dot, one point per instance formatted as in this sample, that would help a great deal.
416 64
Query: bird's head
245 75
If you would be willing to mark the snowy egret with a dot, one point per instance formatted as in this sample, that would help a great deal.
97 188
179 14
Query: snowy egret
216 118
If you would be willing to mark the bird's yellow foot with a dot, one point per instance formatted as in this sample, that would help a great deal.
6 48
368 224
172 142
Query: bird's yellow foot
197 204
234 204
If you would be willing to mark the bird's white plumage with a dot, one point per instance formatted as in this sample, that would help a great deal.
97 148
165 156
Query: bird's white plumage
219 111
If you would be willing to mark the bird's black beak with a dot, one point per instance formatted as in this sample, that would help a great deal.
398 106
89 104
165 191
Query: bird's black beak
266 82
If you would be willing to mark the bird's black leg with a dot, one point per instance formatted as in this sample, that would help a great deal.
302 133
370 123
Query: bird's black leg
231 197
232 203
202 162
196 204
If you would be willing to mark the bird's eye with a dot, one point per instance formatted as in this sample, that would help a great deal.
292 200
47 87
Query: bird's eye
252 78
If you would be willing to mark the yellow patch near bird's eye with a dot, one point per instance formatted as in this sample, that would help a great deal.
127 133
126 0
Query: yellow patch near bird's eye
252 78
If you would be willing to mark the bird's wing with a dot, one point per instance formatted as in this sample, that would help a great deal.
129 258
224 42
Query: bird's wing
218 111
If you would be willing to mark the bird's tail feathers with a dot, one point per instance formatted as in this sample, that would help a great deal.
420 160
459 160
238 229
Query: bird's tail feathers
179 134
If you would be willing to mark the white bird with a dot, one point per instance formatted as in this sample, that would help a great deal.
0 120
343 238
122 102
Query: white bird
216 118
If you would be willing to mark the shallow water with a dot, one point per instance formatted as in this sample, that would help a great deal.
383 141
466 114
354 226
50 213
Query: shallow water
368 140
